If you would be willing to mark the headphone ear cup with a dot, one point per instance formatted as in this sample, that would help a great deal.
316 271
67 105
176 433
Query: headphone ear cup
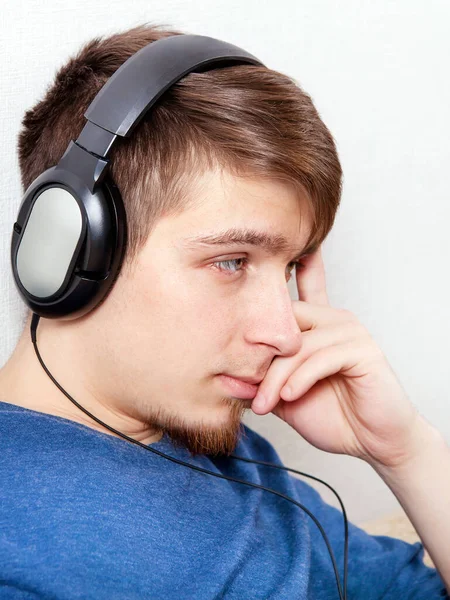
118 216
68 244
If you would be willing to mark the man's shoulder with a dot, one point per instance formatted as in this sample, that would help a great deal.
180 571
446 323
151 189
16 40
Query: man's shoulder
22 427
40 447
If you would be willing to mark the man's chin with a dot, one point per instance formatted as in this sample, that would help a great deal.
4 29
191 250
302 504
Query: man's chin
216 436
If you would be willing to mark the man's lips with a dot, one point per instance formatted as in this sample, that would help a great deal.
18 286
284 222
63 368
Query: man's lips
239 388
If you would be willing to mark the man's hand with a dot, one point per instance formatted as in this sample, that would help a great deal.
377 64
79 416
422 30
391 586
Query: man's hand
346 399
339 391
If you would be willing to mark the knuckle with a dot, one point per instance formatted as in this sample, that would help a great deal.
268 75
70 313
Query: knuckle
347 315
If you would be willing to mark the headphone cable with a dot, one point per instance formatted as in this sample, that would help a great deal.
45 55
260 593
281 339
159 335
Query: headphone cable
34 323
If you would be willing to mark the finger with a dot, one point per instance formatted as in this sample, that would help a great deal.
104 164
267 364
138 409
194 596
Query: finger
311 280
310 316
324 363
269 391
329 361
276 377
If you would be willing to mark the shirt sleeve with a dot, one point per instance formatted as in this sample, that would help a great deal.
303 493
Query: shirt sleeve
379 567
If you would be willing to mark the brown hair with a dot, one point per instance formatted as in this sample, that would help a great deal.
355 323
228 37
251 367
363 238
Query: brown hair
246 119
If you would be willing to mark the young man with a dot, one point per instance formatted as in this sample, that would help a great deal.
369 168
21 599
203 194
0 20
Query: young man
229 182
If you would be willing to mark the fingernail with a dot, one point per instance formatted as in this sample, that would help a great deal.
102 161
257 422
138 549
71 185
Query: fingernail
259 401
286 392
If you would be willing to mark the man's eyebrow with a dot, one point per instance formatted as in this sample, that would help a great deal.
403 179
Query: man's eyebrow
271 242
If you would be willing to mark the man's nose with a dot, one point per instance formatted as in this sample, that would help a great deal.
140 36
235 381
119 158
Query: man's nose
272 320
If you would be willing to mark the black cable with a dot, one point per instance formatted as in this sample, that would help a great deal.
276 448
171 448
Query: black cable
34 323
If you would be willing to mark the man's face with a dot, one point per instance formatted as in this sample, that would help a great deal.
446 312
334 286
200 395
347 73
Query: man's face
170 327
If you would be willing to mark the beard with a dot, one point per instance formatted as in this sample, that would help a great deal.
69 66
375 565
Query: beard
203 437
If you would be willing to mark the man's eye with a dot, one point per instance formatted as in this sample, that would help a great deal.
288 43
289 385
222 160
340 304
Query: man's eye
231 261
243 259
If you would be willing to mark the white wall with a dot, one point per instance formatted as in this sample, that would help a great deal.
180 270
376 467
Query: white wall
378 74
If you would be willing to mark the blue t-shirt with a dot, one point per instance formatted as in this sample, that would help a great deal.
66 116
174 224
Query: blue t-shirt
84 514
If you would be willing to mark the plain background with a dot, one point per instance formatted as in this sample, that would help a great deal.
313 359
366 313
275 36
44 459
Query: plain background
378 74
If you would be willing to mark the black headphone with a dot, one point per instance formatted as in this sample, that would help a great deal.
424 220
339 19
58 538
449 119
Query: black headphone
69 239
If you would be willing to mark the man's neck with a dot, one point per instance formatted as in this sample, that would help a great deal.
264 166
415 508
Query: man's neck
24 382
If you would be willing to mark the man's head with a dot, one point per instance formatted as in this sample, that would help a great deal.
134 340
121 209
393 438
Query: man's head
238 148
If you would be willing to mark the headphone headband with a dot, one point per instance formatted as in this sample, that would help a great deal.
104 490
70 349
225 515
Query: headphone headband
135 87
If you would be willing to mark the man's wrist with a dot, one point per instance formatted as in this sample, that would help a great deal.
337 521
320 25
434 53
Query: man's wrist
421 484
424 437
